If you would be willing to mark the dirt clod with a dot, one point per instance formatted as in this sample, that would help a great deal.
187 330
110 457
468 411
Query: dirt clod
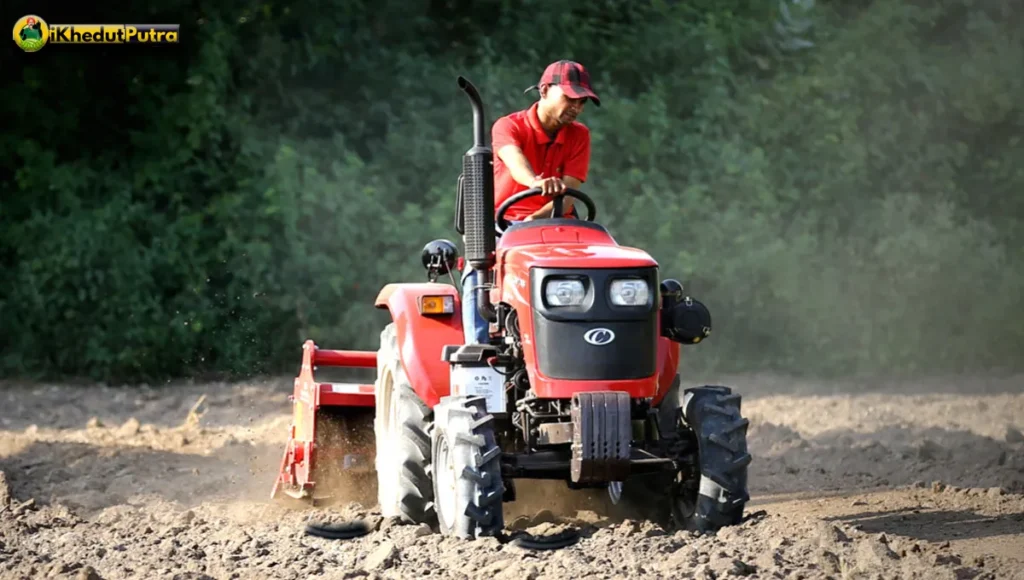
382 557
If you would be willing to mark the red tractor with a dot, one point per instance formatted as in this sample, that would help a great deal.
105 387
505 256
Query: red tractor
578 382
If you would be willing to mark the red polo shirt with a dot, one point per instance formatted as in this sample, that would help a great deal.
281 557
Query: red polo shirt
567 155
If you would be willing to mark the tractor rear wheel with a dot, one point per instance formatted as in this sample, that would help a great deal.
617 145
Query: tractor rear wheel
468 488
401 428
716 495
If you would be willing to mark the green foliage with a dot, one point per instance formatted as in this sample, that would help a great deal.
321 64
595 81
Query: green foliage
840 182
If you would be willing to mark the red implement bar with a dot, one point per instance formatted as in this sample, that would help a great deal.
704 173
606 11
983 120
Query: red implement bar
344 358
296 477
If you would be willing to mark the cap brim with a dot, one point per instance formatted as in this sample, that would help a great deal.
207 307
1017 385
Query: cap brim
574 91
579 91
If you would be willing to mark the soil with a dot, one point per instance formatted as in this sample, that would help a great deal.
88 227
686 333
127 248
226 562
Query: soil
919 479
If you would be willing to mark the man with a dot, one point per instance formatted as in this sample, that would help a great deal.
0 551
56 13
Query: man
543 146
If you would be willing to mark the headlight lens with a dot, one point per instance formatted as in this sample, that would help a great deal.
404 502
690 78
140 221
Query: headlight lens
564 292
630 292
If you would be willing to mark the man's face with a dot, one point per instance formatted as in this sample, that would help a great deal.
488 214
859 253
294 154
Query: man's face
563 108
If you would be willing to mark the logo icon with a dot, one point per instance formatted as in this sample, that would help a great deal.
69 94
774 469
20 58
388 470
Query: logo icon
599 336
31 33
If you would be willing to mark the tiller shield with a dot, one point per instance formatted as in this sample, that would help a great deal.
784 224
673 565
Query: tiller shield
331 433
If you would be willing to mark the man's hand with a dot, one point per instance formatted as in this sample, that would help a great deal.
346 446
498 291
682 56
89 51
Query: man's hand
549 185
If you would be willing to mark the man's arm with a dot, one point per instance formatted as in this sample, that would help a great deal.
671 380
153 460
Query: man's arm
518 165
549 207
520 169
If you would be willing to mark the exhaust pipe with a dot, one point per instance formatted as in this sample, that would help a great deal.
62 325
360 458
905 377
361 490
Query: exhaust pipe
478 203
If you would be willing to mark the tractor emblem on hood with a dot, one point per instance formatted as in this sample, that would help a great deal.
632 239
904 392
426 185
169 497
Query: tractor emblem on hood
599 336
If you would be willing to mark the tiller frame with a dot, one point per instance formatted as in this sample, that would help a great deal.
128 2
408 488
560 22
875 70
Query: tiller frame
297 476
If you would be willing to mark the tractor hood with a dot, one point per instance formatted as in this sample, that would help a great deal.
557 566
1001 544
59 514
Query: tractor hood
566 243
576 255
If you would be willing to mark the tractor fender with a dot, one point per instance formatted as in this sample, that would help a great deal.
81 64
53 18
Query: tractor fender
421 338
668 368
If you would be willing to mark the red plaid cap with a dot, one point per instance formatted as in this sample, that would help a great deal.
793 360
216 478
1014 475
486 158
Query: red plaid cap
572 77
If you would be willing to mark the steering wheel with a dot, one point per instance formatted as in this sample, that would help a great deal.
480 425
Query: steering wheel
501 224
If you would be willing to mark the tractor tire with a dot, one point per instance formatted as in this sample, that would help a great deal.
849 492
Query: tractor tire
704 431
468 488
401 428
711 415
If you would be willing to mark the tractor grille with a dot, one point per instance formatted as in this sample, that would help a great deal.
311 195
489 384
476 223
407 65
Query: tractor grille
563 353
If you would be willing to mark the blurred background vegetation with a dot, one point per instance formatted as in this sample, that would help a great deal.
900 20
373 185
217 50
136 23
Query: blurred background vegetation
842 182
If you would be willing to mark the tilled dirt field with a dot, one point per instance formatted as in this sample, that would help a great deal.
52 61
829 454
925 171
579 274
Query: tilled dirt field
855 480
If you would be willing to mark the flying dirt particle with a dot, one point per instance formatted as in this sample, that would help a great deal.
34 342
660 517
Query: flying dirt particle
938 486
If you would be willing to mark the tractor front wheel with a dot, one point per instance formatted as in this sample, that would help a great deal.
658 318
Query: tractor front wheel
714 496
467 469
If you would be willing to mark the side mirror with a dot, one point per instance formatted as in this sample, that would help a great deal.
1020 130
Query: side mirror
439 257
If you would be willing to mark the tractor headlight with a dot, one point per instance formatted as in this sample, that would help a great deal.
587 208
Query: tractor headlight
562 292
630 293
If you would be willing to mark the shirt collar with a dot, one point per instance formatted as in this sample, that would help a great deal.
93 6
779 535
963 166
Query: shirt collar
538 129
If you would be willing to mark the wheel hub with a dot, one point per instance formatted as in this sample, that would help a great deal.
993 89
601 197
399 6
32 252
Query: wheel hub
615 492
447 480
